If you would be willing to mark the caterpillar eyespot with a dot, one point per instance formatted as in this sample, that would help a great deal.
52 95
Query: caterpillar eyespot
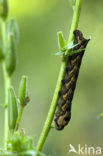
63 112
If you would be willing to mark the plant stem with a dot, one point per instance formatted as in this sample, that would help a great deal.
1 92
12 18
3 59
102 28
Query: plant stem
51 112
7 83
75 19
19 118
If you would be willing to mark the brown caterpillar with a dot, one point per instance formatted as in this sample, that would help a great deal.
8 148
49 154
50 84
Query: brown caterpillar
63 113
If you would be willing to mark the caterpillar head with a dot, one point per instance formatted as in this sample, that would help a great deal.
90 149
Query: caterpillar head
79 39
62 120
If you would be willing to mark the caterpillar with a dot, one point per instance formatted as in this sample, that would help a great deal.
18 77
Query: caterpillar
63 112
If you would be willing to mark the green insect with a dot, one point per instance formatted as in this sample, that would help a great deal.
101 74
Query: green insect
63 112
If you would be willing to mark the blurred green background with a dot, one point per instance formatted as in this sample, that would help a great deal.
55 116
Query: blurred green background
39 21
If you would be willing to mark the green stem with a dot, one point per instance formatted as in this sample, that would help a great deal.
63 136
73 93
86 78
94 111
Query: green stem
51 112
19 118
75 19
7 83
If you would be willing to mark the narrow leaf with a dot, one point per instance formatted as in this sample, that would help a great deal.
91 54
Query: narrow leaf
70 46
12 109
61 40
60 53
76 51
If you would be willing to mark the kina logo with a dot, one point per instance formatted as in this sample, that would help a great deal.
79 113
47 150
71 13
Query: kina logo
88 150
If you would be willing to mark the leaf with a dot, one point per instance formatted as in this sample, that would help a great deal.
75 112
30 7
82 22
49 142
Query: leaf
52 126
72 3
23 91
67 47
20 143
31 153
70 46
28 153
61 40
59 53
76 51
12 109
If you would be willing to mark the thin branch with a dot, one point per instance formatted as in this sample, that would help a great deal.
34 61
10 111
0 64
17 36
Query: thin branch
7 83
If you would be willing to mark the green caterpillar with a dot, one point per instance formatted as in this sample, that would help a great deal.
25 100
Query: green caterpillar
63 113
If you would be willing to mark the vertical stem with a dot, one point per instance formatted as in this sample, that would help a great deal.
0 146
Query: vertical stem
75 19
7 83
51 112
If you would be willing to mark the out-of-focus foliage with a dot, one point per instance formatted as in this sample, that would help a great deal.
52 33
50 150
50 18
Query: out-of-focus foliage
39 22
20 144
